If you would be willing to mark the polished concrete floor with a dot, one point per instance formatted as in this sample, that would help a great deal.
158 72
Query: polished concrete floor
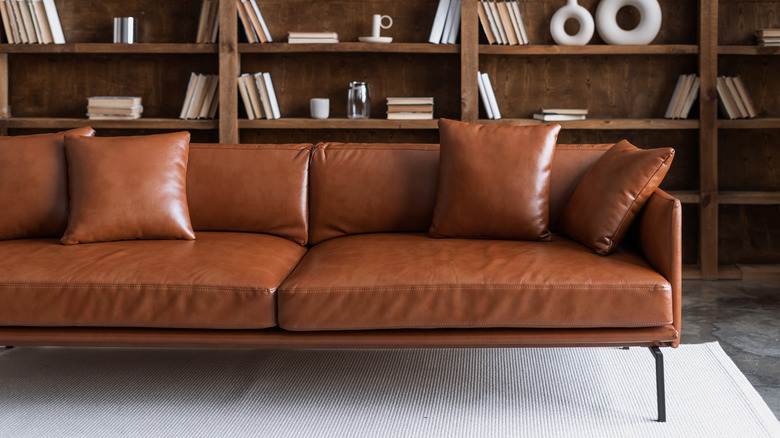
744 316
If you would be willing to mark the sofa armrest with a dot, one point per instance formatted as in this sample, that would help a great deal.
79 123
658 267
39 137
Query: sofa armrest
660 241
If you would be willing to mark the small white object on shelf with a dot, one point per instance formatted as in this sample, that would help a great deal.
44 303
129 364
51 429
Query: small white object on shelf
373 39
644 33
572 11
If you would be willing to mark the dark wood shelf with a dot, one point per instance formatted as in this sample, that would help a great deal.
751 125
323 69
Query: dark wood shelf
757 123
603 124
749 198
142 123
348 47
333 123
537 49
687 196
748 50
110 48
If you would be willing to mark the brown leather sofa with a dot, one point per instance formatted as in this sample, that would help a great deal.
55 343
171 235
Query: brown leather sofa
327 246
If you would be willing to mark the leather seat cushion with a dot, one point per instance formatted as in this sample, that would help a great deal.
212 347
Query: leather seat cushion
393 281
221 281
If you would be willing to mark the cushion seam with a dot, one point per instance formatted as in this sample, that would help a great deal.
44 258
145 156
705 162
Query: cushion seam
473 287
135 286
482 324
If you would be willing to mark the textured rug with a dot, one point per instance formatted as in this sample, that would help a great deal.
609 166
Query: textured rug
604 392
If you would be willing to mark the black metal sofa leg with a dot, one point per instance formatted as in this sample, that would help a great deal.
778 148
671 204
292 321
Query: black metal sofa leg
659 383
8 347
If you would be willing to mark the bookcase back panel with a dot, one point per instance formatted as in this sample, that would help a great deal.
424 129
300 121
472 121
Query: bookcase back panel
51 85
760 75
350 19
609 86
676 25
684 172
690 241
749 160
339 135
739 19
158 21
299 77
749 234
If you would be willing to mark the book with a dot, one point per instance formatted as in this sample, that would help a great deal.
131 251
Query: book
113 101
254 95
271 95
410 101
675 97
265 99
211 95
410 116
198 96
745 96
570 111
212 29
54 21
743 113
455 29
114 117
263 27
312 40
449 22
331 35
491 21
242 90
244 19
692 95
6 25
21 33
203 21
686 86
520 22
253 20
188 97
483 21
497 18
506 20
29 27
401 108
491 96
115 111
727 107
558 117
483 95
437 29
40 13
767 33
35 22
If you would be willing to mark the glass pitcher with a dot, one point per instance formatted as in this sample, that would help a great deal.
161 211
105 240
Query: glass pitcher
358 101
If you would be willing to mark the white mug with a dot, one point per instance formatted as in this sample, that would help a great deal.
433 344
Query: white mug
320 108
377 26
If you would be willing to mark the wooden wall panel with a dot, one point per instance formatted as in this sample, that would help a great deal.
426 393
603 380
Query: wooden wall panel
338 135
741 18
610 86
761 77
690 231
299 77
51 85
749 234
749 160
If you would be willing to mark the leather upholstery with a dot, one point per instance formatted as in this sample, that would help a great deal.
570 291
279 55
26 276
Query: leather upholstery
220 281
570 163
382 281
34 185
494 181
268 182
611 194
128 188
369 188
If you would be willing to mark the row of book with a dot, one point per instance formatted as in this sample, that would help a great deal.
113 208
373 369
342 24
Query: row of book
446 23
735 101
561 114
114 107
252 21
409 108
208 24
488 96
257 92
685 93
768 37
201 100
31 22
502 22
312 37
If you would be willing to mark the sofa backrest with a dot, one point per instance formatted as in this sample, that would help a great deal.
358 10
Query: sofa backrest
369 188
249 187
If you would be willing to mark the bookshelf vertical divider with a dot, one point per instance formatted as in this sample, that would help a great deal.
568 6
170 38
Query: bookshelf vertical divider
469 62
228 72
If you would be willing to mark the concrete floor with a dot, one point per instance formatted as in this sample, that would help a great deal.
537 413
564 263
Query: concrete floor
744 316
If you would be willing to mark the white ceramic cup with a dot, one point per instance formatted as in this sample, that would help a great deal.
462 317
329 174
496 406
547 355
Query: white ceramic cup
320 107
377 26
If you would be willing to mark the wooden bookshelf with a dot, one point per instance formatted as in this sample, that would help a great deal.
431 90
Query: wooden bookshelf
723 168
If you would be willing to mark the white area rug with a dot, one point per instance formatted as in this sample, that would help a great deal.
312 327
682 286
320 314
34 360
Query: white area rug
604 392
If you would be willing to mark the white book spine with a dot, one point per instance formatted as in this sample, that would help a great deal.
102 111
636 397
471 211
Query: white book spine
492 21
265 100
449 22
242 90
437 30
483 95
262 22
272 95
523 31
515 23
54 21
455 29
692 95
675 94
188 97
491 96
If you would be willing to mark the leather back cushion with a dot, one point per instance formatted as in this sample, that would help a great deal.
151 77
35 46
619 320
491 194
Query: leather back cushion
250 187
371 188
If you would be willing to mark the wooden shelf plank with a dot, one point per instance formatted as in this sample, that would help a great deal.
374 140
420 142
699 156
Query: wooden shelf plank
537 49
142 123
304 123
748 50
686 196
110 48
349 47
752 272
757 123
603 123
749 198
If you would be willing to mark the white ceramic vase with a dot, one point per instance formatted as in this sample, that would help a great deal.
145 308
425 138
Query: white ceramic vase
572 11
644 33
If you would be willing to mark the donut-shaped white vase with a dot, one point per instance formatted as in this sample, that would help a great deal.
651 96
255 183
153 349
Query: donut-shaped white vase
572 11
644 33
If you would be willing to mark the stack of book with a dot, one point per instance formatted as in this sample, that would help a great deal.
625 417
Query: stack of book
114 108
735 101
409 108
561 114
446 23
685 93
201 100
31 22
257 92
502 22
208 25
252 21
488 96
312 37
768 37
